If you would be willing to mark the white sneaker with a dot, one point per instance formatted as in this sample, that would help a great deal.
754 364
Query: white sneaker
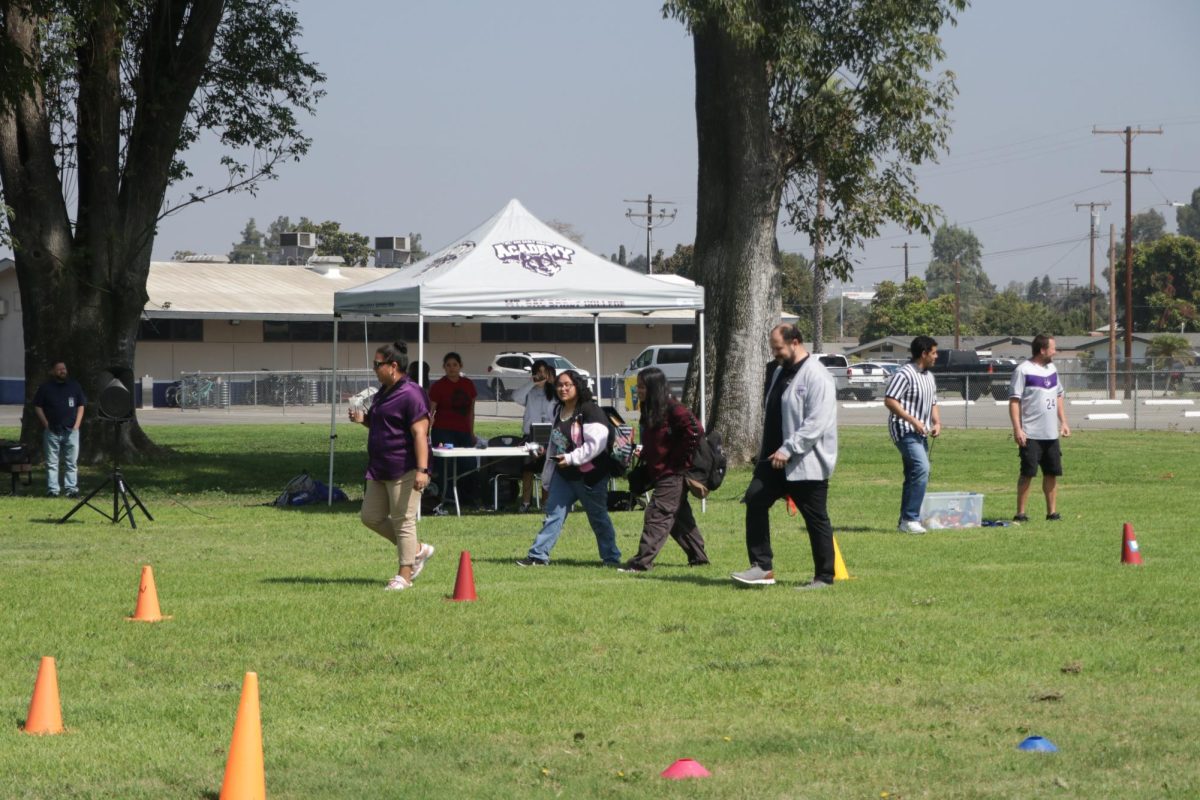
423 555
397 584
911 526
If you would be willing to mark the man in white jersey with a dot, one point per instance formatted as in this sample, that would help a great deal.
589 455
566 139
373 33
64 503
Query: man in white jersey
1035 406
911 397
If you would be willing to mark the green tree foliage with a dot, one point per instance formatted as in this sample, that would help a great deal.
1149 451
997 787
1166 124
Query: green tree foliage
1007 313
252 248
952 243
355 248
100 102
414 242
1170 349
906 310
678 263
1187 218
770 119
1149 226
1166 284
796 289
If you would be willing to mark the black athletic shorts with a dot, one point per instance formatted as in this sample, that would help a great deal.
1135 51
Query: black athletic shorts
1044 453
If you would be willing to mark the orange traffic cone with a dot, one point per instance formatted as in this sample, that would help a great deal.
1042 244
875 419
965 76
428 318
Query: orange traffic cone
45 712
1129 547
839 566
792 510
464 584
147 600
245 778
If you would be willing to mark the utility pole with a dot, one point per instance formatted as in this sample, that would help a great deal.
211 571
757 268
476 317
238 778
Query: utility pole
905 247
1094 229
1112 311
650 220
957 300
1067 282
1128 133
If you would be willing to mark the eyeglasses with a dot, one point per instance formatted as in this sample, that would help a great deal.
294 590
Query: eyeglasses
378 364
561 386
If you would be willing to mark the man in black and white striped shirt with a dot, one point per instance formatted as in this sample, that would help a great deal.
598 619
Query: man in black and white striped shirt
911 397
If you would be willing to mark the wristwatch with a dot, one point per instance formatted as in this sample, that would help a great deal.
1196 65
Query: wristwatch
426 470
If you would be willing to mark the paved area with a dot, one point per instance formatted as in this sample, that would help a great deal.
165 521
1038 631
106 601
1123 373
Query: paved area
1148 413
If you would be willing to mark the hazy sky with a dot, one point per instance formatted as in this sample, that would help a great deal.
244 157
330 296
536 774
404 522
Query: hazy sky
438 113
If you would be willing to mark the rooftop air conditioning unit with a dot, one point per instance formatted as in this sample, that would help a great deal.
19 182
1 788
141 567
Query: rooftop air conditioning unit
393 243
298 239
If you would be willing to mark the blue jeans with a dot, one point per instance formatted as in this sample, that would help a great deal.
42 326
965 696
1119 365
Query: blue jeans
563 494
66 446
914 452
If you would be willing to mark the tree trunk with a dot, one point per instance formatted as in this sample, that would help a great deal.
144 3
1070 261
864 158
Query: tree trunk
83 286
818 314
741 180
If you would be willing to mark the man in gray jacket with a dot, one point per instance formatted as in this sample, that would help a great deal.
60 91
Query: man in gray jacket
797 456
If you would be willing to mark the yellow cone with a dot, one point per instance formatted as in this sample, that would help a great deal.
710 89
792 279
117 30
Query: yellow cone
839 566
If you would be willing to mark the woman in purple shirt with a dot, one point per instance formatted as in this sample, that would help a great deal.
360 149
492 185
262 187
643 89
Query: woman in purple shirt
397 461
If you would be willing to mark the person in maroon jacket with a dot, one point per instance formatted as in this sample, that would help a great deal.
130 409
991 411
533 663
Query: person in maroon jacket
669 435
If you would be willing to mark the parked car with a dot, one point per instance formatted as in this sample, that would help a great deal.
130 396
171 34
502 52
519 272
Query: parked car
962 372
853 381
889 368
672 359
509 370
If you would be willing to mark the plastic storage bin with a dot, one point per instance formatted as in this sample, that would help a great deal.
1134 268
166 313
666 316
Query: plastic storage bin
952 510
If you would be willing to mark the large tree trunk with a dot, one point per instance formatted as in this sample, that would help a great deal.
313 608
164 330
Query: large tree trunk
83 286
741 179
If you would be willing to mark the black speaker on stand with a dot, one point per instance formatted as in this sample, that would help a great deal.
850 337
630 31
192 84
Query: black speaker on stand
116 406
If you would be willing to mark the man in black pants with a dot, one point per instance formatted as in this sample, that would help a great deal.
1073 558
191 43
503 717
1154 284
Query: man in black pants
796 459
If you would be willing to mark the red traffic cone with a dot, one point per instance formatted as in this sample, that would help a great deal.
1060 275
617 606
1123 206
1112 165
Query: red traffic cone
1129 547
685 768
464 584
792 510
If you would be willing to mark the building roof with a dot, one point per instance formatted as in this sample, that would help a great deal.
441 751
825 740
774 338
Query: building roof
248 291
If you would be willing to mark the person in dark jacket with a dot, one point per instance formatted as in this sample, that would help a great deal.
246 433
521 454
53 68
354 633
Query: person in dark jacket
59 405
669 433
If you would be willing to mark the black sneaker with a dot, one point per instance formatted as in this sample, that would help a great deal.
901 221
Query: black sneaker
51 494
1020 518
74 493
698 563
631 567
1055 517
530 561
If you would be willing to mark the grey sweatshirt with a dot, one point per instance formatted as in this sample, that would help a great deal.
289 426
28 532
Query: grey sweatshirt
809 408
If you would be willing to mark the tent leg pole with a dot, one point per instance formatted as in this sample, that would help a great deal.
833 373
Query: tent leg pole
420 351
596 338
703 392
333 398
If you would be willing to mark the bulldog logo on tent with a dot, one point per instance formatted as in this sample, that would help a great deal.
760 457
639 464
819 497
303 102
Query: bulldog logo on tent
542 258
453 254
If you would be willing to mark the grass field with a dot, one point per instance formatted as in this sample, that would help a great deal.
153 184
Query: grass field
916 679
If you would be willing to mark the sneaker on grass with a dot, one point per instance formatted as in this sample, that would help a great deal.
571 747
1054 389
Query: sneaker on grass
813 584
398 584
423 555
911 526
530 561
1020 518
1055 517
755 576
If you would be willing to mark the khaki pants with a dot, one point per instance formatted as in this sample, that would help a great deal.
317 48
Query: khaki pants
390 509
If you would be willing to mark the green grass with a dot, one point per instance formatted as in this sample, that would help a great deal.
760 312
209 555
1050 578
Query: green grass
916 679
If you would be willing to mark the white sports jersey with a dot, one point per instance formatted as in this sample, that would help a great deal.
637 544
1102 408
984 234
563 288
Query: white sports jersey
1038 389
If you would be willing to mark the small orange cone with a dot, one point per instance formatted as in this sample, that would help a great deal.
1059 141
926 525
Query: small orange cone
245 778
147 600
45 712
792 510
464 584
839 566
1129 547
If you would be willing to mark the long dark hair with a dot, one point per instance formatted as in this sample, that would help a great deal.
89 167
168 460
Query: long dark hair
548 387
395 353
658 396
582 393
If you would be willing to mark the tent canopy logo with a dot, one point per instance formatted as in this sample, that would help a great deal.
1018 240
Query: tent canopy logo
542 258
453 254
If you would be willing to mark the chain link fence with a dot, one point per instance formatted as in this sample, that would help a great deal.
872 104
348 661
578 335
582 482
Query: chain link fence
1146 397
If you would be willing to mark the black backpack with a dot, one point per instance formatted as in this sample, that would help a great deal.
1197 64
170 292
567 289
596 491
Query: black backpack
707 472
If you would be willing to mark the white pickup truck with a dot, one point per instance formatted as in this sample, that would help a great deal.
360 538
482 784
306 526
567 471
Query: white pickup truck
854 381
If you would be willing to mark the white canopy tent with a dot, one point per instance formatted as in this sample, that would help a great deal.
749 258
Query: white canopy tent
514 265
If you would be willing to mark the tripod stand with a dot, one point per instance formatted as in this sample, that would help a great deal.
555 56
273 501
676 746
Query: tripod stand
122 491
